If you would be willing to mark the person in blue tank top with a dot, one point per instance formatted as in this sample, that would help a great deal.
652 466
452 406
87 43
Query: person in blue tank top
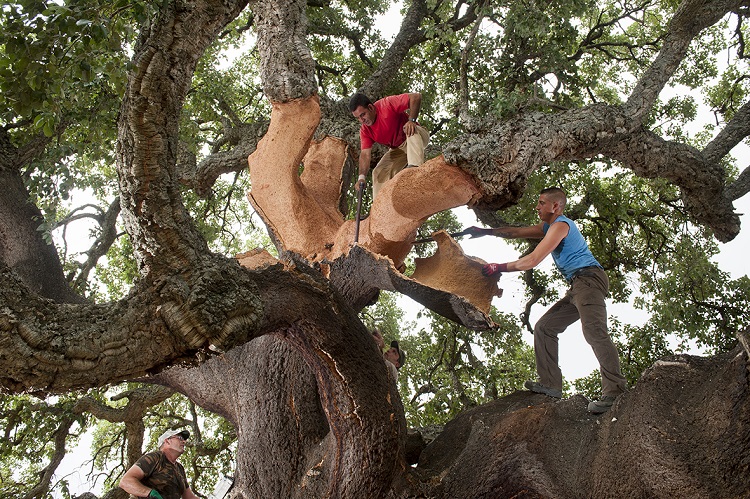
585 300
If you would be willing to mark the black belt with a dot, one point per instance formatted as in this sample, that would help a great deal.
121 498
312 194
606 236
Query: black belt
585 272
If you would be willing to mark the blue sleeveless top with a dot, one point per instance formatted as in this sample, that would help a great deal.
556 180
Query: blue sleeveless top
572 253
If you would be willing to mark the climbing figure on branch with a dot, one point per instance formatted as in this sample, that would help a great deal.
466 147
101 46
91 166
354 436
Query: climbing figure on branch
387 122
584 300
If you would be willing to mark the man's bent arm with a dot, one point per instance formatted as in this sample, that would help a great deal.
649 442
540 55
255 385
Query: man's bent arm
415 104
131 482
555 234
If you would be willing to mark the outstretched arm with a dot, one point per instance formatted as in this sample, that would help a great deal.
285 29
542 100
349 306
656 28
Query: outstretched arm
531 232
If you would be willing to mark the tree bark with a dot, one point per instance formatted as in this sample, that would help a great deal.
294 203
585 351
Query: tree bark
317 415
314 389
681 432
502 157
22 247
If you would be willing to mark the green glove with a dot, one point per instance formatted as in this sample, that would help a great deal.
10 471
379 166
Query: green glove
155 494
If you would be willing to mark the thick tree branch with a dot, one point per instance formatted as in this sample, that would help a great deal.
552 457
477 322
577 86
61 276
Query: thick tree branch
702 184
287 68
163 235
140 400
22 248
732 134
176 321
740 186
691 18
363 418
463 79
408 36
502 158
203 177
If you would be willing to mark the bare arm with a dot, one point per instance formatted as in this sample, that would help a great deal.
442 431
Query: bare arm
131 482
415 103
378 339
364 167
531 232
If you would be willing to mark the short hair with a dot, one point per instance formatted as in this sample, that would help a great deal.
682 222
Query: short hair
357 100
555 194
401 354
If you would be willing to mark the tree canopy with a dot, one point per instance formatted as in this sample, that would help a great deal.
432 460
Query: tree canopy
153 108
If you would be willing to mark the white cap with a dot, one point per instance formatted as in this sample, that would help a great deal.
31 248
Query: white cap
171 433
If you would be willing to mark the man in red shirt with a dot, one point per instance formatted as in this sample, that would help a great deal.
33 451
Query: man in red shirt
387 122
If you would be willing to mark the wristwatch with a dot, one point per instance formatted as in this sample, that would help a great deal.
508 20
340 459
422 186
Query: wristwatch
414 120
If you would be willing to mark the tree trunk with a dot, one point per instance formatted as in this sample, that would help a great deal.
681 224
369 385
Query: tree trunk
305 430
22 247
315 411
681 432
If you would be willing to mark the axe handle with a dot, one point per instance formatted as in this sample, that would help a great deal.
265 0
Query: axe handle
359 208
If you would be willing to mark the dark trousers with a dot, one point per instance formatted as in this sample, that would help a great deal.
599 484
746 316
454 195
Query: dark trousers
585 301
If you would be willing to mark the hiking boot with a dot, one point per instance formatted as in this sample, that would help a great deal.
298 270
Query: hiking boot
602 405
544 390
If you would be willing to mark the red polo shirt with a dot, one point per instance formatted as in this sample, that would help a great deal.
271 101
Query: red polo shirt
388 128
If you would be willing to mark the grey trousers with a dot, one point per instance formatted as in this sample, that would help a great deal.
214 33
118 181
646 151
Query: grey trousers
584 300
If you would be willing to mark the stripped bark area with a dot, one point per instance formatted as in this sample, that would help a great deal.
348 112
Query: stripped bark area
302 214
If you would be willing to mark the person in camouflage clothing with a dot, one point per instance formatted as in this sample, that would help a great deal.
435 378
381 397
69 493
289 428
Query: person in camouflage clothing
158 475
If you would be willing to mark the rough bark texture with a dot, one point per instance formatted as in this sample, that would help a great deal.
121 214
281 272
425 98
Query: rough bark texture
502 156
295 439
681 432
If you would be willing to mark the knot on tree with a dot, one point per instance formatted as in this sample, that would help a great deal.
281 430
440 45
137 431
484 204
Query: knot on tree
214 308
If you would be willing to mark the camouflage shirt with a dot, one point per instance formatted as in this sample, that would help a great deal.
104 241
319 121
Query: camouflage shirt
161 474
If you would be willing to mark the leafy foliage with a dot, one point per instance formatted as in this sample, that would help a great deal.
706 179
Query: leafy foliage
28 447
452 368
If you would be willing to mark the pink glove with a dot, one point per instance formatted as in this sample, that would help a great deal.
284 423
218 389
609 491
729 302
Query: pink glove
492 269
